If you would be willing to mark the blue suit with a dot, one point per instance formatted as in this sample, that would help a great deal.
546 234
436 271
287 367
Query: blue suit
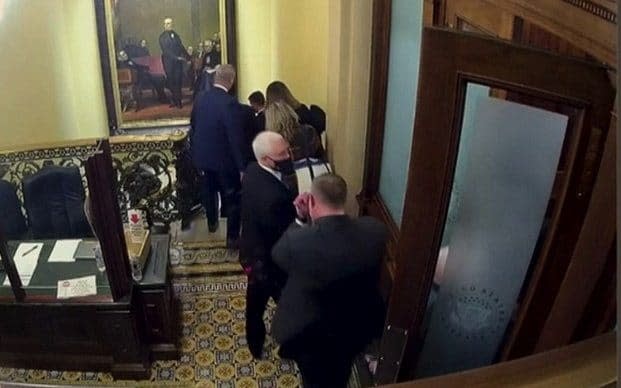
218 141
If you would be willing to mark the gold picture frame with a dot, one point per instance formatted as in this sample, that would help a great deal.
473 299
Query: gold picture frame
137 89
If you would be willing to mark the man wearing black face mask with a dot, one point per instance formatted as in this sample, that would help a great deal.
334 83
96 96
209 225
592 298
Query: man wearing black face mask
267 210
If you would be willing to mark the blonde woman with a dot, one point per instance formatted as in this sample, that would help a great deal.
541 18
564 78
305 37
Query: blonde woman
315 116
306 149
302 138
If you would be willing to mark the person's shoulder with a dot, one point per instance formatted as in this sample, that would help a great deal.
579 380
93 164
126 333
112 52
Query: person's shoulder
372 224
252 169
255 175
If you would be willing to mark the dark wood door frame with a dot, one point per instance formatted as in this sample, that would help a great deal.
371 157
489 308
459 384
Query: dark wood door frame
428 200
369 200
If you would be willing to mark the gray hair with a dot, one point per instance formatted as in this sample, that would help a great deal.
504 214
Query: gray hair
263 143
225 75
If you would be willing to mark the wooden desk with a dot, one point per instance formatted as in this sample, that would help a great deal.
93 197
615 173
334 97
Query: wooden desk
121 337
156 300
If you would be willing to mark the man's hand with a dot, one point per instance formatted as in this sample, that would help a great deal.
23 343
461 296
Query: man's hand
241 176
301 205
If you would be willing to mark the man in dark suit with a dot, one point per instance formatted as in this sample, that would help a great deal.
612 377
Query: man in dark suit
267 210
174 57
257 102
330 307
251 131
217 138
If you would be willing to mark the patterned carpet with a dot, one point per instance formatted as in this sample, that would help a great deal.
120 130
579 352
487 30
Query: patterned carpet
199 261
213 347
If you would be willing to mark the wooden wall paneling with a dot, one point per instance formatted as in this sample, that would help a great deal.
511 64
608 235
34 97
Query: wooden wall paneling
530 34
380 50
600 314
436 140
102 187
369 200
585 29
589 258
488 17
428 12
590 363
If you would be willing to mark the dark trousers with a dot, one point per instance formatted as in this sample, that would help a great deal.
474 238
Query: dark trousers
174 80
321 370
228 184
323 360
258 294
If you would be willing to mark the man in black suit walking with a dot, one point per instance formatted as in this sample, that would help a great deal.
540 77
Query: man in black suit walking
267 210
217 141
174 58
330 307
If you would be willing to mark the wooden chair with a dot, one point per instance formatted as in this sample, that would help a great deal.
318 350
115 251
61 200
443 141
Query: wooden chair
128 88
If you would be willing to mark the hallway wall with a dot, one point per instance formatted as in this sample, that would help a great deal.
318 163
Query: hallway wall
50 74
321 49
283 40
349 61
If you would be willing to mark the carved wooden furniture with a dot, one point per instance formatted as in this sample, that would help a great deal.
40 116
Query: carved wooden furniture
165 157
119 329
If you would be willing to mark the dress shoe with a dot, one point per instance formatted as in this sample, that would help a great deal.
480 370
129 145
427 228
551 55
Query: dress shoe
256 353
232 244
213 227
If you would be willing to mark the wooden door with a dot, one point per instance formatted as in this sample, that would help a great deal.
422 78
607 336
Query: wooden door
576 98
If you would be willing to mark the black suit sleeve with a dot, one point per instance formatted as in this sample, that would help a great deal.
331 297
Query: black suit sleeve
281 254
235 133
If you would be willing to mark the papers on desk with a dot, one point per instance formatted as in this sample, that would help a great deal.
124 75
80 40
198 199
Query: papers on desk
72 288
25 258
64 251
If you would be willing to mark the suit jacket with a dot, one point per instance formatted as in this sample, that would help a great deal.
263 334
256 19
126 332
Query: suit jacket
172 48
331 296
260 121
267 211
218 134
251 130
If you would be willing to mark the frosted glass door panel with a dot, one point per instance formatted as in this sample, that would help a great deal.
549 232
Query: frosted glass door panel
404 57
506 166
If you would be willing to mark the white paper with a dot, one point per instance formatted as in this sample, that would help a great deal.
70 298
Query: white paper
64 251
25 258
71 288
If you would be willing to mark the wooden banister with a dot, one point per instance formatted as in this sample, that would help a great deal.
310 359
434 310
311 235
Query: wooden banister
590 363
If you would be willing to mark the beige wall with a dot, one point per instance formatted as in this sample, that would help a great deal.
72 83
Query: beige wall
321 49
283 40
349 61
255 55
58 94
50 74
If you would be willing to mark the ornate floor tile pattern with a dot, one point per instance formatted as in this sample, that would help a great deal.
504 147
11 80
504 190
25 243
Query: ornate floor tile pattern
213 343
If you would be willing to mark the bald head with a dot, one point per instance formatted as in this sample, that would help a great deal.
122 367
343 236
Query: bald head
225 75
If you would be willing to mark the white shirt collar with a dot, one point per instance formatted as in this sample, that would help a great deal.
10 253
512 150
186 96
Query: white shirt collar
276 174
221 87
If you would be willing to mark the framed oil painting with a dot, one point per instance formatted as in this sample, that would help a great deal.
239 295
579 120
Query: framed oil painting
156 54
